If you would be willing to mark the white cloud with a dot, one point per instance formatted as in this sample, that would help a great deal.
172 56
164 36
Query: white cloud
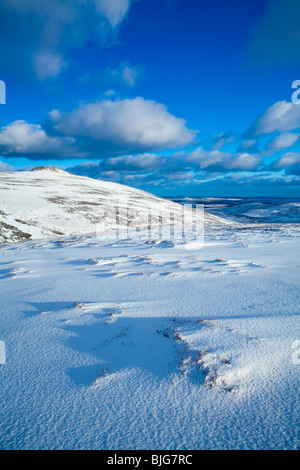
47 65
109 93
282 116
180 168
220 161
287 160
144 161
54 115
124 73
283 141
130 75
247 144
114 10
98 131
128 124
21 138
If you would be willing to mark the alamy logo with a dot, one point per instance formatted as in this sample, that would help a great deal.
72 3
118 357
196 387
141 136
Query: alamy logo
2 353
295 95
2 92
155 222
296 354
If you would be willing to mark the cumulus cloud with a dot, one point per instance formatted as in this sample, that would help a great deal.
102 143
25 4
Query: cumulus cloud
137 170
99 130
181 166
288 159
290 162
138 162
282 141
221 161
128 124
41 33
282 116
128 166
23 139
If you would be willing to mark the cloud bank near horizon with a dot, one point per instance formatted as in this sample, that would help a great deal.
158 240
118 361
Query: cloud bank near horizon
126 140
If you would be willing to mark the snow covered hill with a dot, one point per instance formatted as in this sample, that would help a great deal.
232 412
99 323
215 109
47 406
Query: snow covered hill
48 202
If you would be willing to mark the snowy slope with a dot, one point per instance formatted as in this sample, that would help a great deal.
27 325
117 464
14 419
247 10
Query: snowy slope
132 345
50 202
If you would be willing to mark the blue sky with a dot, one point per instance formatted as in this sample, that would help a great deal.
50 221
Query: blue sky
177 97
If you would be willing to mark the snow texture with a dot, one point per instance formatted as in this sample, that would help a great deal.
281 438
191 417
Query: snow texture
133 344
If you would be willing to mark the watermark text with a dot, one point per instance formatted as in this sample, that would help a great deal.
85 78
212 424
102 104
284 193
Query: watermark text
155 222
2 92
296 94
2 353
